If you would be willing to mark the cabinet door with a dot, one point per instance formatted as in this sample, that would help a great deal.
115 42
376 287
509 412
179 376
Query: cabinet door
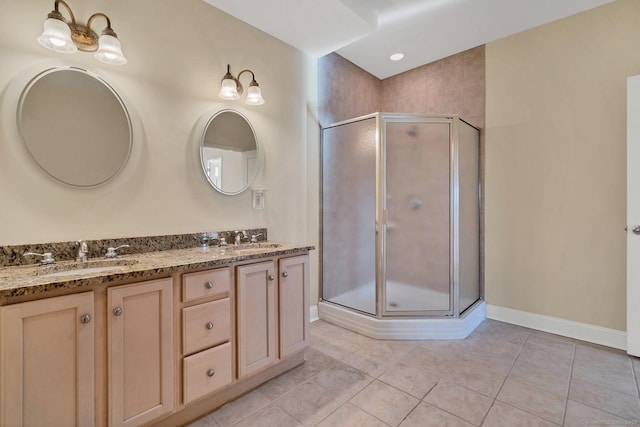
256 296
140 346
47 362
294 304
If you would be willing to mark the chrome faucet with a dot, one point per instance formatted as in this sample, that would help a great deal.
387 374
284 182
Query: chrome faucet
254 237
47 258
111 252
239 236
83 251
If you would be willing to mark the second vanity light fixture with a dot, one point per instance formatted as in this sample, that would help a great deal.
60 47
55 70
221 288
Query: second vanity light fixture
68 37
231 88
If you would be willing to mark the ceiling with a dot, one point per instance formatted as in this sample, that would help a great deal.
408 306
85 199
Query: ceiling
367 32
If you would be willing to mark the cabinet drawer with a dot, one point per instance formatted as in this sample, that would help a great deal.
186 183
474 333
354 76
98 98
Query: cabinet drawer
206 283
205 325
206 372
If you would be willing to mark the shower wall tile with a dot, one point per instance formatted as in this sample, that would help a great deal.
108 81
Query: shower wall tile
453 85
345 91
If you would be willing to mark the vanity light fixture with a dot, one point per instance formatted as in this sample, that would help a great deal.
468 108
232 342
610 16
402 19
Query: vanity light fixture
68 37
231 88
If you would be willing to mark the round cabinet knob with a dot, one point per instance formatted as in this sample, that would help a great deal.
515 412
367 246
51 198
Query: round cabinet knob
285 274
85 318
211 372
272 277
210 325
117 311
208 285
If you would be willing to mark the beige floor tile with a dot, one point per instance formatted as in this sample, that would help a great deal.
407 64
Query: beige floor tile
349 415
473 376
604 360
459 401
425 415
545 359
282 384
385 402
501 415
539 377
269 416
315 361
545 405
371 360
496 360
558 346
338 348
309 403
406 377
605 399
579 415
435 362
233 412
505 331
206 421
343 380
610 379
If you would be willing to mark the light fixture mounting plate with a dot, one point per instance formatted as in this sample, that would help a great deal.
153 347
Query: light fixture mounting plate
84 38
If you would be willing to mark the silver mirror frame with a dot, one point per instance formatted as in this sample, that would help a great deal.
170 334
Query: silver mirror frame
98 79
205 123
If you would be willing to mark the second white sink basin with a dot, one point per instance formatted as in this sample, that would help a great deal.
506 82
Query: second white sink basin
82 271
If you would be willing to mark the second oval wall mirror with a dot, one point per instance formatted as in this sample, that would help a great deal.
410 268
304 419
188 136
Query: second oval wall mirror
229 152
75 126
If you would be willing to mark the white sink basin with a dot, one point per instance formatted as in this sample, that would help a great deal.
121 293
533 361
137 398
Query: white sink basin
83 268
252 248
83 271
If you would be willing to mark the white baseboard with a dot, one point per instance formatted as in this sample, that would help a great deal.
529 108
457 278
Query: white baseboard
313 313
404 328
568 328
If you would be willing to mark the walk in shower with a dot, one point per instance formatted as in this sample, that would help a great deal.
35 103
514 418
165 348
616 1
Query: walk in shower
400 245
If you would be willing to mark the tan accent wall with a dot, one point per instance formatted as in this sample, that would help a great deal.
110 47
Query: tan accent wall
555 165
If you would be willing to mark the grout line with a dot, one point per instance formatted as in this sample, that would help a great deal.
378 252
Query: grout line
566 402
495 399
635 375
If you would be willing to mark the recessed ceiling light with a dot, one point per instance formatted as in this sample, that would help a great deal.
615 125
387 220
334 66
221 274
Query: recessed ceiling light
396 56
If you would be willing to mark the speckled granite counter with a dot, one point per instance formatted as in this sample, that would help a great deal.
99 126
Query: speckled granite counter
25 280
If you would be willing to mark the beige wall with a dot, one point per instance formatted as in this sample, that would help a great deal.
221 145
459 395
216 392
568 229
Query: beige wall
178 52
555 165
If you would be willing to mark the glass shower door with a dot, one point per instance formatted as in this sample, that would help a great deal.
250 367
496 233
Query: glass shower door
349 215
417 233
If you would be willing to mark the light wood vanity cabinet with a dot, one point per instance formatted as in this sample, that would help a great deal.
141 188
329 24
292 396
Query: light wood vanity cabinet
140 352
47 362
207 365
294 304
155 352
257 316
272 308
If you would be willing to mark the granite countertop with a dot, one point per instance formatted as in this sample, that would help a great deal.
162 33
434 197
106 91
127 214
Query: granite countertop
32 279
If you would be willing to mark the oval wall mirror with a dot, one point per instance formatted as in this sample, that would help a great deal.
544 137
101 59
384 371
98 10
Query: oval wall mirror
75 126
229 152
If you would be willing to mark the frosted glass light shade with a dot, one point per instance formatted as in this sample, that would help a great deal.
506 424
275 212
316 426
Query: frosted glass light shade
254 96
109 50
56 35
228 89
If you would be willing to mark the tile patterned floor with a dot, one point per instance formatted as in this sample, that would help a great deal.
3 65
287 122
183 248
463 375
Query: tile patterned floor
502 375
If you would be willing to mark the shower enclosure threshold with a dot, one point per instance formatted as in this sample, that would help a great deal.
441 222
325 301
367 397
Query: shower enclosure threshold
403 328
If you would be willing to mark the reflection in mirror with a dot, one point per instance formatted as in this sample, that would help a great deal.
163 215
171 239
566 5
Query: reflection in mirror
75 126
229 152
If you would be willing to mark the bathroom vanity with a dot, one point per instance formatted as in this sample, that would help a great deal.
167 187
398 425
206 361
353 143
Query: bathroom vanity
155 338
